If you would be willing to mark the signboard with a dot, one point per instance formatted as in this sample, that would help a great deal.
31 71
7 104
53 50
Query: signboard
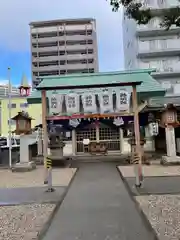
89 103
55 103
153 129
118 121
122 100
86 141
74 122
99 104
72 103
106 102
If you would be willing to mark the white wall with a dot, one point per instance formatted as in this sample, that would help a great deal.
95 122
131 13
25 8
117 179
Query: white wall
158 43
129 42
164 64
156 4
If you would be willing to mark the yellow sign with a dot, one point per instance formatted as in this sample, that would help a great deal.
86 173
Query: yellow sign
48 163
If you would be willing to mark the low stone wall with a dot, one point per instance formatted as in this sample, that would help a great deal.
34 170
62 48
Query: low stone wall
4 154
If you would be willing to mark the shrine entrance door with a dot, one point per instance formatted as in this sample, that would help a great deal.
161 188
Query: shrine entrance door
88 132
110 136
107 135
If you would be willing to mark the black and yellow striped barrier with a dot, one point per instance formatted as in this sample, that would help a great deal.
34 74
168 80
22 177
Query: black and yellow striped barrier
48 163
135 159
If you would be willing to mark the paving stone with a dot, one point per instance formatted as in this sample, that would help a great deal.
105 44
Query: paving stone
98 207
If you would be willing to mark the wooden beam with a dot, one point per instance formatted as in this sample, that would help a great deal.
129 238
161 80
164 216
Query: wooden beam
142 106
136 124
86 116
44 127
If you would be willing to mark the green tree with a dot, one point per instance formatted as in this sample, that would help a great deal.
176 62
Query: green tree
135 10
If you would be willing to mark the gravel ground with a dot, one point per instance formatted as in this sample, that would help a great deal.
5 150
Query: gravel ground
23 222
151 171
163 212
35 178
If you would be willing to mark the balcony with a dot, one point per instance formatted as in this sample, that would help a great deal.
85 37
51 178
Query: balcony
146 31
169 52
63 57
63 67
166 74
62 38
155 5
62 48
44 49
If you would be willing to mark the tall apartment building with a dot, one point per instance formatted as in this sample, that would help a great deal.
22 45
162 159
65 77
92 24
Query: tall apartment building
149 46
63 47
4 91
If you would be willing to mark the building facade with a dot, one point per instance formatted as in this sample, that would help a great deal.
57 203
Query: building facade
63 47
149 46
4 90
18 104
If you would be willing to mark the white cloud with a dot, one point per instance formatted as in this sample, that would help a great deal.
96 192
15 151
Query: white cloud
3 82
15 16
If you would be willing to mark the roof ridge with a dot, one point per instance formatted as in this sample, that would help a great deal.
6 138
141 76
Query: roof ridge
139 71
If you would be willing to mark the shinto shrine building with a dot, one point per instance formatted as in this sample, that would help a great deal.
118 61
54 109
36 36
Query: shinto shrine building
99 108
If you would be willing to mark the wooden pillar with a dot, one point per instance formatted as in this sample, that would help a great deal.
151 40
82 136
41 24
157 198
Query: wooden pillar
74 142
44 124
121 140
136 123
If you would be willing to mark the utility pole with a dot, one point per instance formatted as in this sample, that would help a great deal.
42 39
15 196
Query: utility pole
9 122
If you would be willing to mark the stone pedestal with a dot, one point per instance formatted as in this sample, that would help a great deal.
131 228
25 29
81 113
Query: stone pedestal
25 163
171 157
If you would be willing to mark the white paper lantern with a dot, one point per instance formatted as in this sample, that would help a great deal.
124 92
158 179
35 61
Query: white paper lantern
89 103
106 102
122 100
72 103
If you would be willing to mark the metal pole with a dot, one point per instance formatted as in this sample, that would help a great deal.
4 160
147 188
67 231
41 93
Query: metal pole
9 122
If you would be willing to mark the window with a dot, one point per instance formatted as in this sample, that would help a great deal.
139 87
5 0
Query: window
62 62
163 43
11 122
23 105
152 44
129 63
91 70
22 124
13 105
62 53
90 51
90 41
147 2
128 45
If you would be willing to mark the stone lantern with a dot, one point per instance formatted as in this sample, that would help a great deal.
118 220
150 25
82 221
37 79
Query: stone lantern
132 142
23 129
56 143
169 122
23 123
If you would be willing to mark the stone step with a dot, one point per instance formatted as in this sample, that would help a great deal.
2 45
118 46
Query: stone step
24 167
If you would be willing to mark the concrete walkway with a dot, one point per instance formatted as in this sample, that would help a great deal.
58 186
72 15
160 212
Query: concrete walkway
97 207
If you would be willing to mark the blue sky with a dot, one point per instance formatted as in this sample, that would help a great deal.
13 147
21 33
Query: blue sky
15 16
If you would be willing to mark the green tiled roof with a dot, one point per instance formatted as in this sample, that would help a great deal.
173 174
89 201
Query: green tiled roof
159 102
149 87
94 78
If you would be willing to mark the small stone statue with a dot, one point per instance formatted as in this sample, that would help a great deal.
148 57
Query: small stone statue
56 143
